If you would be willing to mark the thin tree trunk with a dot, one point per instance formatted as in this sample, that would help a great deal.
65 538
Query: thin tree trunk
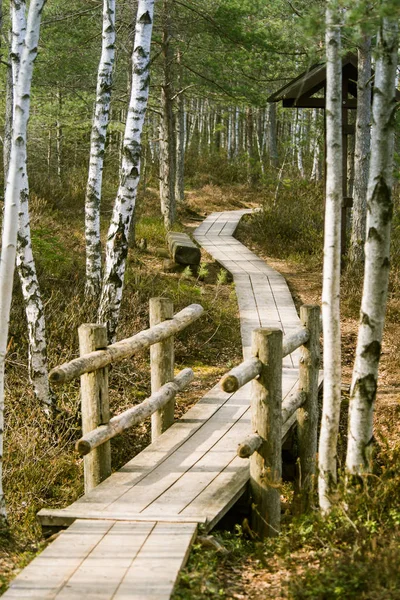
167 134
316 151
59 135
38 370
180 139
361 153
100 123
272 138
11 204
331 270
117 239
377 248
298 135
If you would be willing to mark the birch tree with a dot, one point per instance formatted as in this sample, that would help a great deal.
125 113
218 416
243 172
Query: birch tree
377 246
362 152
25 262
12 197
331 269
167 134
101 118
118 233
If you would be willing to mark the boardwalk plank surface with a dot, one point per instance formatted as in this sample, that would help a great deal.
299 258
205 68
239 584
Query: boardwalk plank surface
132 533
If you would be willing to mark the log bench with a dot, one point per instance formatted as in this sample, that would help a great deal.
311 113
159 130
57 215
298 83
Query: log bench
182 250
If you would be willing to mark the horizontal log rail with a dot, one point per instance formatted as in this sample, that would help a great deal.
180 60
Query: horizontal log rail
240 375
252 442
294 341
115 352
251 368
136 414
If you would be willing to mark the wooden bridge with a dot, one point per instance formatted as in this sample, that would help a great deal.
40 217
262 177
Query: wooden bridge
129 536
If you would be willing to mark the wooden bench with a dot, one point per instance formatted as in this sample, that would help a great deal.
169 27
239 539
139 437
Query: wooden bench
182 250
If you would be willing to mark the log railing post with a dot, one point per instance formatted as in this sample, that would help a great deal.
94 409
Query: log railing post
266 406
95 406
307 414
162 365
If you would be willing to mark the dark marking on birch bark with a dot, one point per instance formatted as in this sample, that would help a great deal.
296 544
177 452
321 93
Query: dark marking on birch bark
373 350
145 18
383 197
367 387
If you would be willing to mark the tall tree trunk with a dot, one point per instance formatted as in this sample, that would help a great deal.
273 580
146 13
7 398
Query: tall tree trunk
298 135
101 118
167 134
272 138
11 204
361 153
250 145
38 370
331 270
180 138
117 239
59 135
316 151
377 248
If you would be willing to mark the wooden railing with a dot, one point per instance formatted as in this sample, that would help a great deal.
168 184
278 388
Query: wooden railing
269 414
92 366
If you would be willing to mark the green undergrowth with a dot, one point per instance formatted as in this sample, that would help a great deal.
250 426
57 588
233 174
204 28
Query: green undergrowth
353 553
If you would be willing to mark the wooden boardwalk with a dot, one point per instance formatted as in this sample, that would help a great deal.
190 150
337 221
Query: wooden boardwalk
130 536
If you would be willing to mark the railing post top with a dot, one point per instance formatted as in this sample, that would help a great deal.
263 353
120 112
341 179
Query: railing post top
265 331
92 326
161 300
310 308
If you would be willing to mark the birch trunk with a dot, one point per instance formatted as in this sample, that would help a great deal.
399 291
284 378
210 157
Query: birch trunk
100 123
377 246
361 153
299 141
117 239
34 309
167 136
273 143
331 270
316 166
11 204
180 139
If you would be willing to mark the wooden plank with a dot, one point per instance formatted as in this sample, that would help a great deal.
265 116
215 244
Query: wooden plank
49 571
64 517
153 574
100 575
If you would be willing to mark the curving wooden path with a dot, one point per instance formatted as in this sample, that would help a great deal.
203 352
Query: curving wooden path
131 535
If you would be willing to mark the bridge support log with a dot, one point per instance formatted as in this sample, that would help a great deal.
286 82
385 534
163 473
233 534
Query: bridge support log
162 365
95 405
307 414
266 406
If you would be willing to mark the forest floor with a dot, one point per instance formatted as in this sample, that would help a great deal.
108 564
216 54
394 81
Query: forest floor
313 558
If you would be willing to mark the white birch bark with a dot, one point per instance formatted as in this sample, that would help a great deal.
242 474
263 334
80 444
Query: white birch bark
25 262
331 269
117 239
167 137
180 136
316 151
272 137
12 197
361 153
101 118
298 141
377 247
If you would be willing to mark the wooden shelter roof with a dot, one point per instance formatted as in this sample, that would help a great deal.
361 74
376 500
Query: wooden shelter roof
299 92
